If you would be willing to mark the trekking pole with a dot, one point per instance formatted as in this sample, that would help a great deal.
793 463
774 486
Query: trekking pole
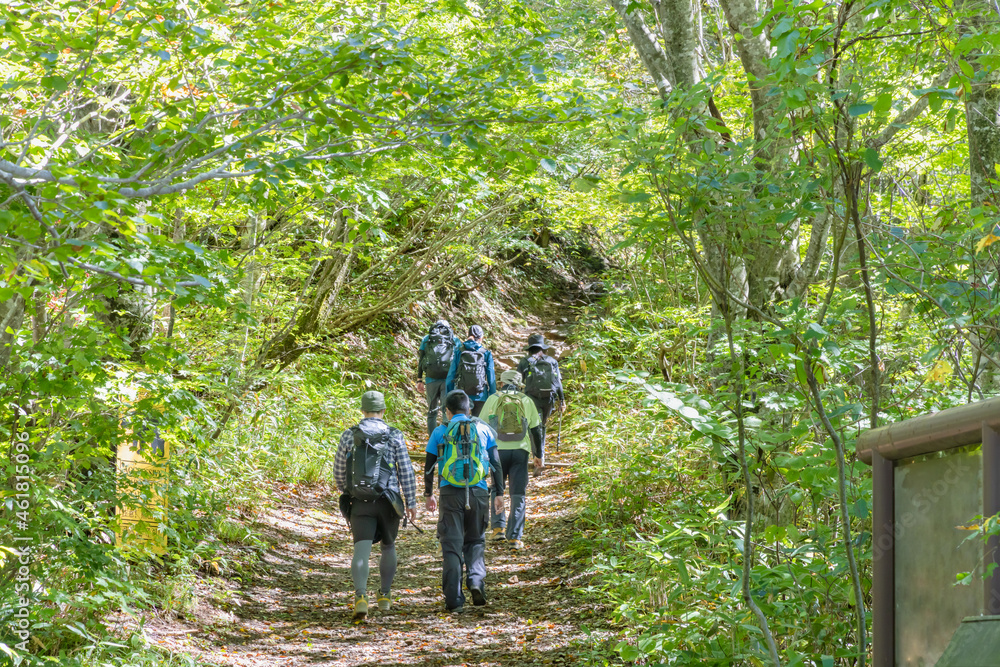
562 409
467 466
414 524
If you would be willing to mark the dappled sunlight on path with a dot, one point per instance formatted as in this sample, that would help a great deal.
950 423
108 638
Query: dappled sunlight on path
298 610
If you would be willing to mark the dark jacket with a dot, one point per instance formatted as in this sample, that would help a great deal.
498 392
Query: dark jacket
524 367
491 378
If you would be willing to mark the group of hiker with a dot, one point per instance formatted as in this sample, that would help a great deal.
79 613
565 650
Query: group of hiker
481 447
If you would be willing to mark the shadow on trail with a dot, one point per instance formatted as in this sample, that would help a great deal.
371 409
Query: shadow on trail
298 610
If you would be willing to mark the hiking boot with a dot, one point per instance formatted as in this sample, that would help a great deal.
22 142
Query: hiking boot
384 601
497 534
360 609
457 610
478 597
517 544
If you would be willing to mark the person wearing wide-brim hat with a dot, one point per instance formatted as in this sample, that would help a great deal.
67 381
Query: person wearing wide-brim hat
543 384
373 507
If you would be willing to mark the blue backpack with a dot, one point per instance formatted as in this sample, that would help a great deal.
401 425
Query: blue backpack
463 459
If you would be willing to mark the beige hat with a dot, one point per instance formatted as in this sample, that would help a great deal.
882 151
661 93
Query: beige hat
511 377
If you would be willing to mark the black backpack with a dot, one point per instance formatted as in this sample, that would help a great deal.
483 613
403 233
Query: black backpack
368 470
542 376
438 352
471 376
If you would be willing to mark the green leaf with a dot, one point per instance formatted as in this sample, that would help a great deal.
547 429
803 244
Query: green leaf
815 331
934 100
933 353
582 185
628 652
549 165
634 197
872 159
883 103
966 68
54 83
856 110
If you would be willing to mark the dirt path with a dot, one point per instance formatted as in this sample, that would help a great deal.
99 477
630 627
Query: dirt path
298 609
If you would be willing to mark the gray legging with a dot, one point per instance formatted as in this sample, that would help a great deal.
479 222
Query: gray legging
434 390
359 567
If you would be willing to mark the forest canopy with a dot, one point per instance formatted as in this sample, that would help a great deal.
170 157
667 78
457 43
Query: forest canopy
224 221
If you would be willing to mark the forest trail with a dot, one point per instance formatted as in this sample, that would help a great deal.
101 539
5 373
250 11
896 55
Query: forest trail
298 609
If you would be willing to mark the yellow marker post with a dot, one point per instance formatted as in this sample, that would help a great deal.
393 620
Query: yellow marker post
142 465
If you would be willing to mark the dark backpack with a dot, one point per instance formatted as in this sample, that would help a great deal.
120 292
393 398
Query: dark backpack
508 418
368 470
438 352
471 376
542 376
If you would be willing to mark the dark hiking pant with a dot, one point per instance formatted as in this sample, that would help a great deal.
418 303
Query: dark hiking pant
434 390
462 533
544 407
515 473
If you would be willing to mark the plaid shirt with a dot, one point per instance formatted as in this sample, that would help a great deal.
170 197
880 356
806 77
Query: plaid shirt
403 482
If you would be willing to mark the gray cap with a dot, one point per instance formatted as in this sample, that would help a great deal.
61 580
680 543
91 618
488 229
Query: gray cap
372 401
475 331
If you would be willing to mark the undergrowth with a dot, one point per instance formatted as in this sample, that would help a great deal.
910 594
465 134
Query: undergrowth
664 520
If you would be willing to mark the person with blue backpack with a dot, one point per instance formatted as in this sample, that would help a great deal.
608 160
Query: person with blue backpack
543 383
437 349
512 415
464 453
472 370
373 470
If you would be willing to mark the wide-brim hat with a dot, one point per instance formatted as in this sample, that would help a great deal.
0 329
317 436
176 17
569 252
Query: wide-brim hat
537 340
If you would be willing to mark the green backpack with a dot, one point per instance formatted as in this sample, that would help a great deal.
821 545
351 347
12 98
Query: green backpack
463 459
508 419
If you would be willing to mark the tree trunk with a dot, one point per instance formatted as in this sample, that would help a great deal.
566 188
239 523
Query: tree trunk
982 117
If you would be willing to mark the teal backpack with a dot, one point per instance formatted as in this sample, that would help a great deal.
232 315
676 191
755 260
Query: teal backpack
463 461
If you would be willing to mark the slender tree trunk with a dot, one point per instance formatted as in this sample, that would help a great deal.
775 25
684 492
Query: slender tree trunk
982 117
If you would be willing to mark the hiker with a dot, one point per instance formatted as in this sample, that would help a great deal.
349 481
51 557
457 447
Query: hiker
543 383
472 370
512 415
372 468
434 360
464 452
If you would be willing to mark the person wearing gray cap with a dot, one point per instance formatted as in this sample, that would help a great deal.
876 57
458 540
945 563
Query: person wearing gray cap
373 471
434 360
472 370
512 415
543 383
